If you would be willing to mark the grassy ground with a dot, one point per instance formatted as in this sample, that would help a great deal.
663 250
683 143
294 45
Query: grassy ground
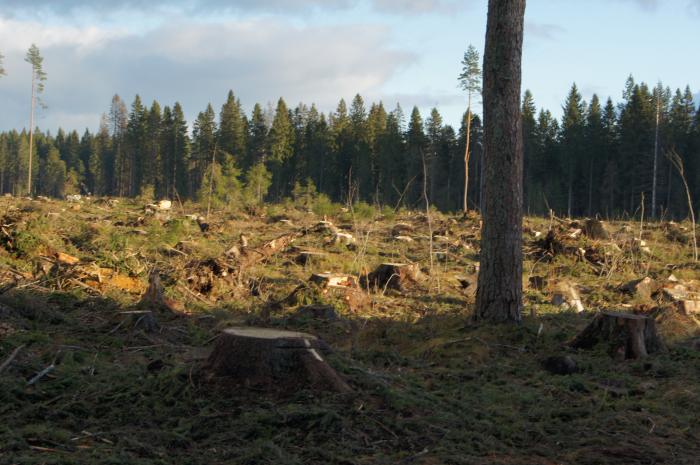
430 386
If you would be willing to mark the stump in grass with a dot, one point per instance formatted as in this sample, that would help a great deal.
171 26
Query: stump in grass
274 359
392 276
628 336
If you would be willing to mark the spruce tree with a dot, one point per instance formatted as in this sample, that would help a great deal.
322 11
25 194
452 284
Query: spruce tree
415 147
281 139
572 135
233 131
2 69
528 115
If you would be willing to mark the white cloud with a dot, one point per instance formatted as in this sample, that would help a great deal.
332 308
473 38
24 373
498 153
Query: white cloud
193 63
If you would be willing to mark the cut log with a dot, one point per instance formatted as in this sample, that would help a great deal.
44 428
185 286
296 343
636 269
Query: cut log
392 276
251 256
629 336
275 360
326 280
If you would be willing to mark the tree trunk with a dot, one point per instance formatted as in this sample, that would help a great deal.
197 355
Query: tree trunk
499 294
465 205
31 135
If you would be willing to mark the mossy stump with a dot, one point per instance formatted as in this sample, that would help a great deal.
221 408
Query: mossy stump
629 336
274 360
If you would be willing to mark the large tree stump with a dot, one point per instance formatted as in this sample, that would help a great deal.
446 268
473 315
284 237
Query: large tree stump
392 276
628 336
274 359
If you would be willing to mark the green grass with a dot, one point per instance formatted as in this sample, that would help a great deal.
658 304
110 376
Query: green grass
430 386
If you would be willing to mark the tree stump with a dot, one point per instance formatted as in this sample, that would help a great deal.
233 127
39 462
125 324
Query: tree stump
392 276
628 336
274 359
596 229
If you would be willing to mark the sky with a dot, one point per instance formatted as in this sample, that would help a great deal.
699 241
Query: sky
318 51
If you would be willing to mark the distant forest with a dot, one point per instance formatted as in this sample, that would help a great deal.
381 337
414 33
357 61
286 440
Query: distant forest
597 160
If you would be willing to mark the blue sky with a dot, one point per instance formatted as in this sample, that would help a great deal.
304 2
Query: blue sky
405 51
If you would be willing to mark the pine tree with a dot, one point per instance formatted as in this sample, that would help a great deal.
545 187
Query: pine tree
499 291
470 81
2 69
35 59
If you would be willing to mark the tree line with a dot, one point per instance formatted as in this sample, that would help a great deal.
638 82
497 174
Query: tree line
597 159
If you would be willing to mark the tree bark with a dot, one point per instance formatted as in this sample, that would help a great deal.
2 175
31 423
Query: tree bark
499 293
465 205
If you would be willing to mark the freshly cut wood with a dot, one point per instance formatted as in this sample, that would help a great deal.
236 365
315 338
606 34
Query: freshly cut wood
274 359
65 259
326 280
468 284
392 276
343 238
566 295
628 335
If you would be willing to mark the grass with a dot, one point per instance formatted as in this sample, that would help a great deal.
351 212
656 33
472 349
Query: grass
430 387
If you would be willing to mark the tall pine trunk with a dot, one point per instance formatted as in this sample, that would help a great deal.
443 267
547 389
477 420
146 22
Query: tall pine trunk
499 293
31 134
465 205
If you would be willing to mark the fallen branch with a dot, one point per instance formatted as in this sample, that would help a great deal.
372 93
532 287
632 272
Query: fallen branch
41 374
9 359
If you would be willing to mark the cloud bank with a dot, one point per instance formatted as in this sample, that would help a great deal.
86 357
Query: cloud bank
193 63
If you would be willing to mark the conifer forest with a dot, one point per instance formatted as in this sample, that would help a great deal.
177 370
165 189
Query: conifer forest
596 160
484 278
